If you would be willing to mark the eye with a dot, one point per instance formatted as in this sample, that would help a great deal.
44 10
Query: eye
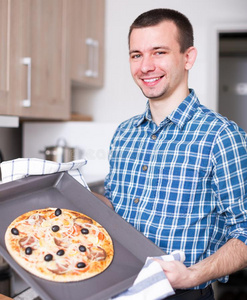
135 56
160 53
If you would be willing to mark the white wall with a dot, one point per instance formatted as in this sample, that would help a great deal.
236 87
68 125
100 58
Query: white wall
120 99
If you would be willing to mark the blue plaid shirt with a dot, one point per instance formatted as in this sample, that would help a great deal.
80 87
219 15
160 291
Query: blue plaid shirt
183 183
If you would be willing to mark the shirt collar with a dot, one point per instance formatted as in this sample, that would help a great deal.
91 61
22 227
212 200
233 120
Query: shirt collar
179 116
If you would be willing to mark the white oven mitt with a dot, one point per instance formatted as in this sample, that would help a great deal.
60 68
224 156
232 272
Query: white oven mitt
24 167
151 283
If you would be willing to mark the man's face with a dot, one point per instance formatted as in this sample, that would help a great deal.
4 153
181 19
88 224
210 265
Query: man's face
156 63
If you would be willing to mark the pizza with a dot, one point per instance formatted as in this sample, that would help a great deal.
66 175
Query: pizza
59 244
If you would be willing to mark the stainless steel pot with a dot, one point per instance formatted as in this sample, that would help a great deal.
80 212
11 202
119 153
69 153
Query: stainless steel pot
61 153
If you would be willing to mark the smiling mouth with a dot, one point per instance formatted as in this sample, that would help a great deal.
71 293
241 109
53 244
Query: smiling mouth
152 80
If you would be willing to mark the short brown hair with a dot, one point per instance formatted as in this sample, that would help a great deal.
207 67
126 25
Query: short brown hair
155 16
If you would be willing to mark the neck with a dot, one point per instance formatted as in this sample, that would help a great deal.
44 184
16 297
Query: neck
161 108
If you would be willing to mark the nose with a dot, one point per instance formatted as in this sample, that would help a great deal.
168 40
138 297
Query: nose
147 64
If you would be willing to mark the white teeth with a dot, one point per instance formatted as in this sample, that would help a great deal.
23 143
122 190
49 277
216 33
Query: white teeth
151 80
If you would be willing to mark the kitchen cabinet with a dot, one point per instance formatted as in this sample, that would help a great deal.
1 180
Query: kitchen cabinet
87 42
4 27
45 45
34 59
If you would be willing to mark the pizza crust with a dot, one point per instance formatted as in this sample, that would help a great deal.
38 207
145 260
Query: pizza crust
68 247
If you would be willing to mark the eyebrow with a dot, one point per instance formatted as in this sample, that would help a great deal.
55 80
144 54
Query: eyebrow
154 48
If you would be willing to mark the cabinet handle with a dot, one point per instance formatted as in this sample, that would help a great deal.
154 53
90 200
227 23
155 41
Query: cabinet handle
27 62
93 60
89 71
96 58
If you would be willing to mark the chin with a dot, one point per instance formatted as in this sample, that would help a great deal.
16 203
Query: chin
155 95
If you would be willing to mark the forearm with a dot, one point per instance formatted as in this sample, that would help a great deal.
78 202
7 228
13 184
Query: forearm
228 259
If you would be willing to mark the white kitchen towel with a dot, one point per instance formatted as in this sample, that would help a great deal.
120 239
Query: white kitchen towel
24 167
151 283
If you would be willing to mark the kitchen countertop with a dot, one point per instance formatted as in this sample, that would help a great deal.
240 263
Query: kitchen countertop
2 297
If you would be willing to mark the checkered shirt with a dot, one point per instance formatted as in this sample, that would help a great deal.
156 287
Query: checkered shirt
183 184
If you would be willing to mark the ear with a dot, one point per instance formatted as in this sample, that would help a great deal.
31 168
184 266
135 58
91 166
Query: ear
190 58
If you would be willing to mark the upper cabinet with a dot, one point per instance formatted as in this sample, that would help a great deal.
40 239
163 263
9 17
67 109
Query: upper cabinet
44 45
87 42
38 82
4 56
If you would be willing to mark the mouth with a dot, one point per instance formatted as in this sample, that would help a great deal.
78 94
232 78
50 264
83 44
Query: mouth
152 81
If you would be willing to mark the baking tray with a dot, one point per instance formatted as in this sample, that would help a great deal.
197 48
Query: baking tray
61 190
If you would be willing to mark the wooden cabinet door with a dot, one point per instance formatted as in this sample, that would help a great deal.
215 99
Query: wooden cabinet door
4 57
87 42
95 40
78 59
39 84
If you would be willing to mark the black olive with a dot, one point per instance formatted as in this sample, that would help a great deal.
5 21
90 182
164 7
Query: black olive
85 231
28 250
55 228
58 212
81 265
60 252
48 257
15 231
82 248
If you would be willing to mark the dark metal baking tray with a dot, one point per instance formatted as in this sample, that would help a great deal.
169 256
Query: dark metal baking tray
61 190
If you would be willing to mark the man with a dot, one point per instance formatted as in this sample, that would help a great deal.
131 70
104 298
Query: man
178 172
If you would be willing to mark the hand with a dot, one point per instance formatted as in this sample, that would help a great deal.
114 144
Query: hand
177 273
230 258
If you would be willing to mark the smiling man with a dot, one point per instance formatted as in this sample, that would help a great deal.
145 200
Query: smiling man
178 172
159 67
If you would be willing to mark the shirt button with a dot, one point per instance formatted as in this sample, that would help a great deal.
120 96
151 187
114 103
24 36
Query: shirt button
144 168
136 200
154 137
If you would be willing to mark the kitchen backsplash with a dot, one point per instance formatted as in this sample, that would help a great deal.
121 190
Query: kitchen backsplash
91 138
